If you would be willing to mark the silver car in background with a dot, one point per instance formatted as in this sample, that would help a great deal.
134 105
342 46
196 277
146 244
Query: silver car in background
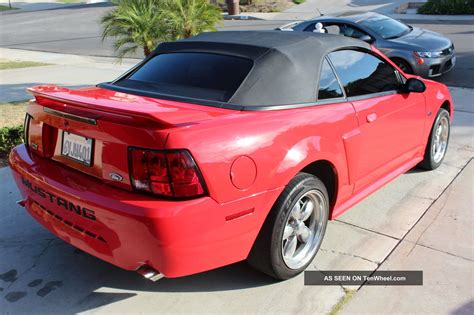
414 50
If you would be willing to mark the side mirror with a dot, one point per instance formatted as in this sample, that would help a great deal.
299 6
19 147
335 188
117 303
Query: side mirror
367 39
413 85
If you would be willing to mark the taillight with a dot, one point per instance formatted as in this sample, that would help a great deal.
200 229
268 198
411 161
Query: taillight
166 173
26 127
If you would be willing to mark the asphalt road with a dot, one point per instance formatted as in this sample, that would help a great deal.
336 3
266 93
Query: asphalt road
76 30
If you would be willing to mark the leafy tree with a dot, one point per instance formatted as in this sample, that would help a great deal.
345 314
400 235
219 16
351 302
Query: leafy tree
145 23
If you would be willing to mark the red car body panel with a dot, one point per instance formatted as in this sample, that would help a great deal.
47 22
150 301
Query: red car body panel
132 230
246 158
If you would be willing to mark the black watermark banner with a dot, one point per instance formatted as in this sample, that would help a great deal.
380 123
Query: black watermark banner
351 277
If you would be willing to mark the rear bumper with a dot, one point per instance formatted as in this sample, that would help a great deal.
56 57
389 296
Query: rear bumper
130 230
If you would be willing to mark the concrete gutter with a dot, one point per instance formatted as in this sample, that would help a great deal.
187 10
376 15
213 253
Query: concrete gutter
244 16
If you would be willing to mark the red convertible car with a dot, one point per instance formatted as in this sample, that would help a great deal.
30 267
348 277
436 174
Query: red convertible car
225 147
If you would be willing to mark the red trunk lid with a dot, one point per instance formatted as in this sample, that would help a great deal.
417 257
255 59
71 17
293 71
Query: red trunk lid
110 121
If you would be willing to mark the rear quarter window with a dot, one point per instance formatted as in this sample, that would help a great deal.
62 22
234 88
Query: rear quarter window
328 85
204 76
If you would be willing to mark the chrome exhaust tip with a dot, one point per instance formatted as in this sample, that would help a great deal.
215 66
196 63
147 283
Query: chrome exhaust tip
21 202
150 273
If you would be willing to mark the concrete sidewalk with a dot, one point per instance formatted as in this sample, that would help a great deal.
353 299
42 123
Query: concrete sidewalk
441 245
66 70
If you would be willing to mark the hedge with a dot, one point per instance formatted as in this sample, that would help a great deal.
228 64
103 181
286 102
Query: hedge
447 7
9 138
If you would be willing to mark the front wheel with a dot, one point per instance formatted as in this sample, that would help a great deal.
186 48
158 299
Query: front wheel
438 141
403 65
293 230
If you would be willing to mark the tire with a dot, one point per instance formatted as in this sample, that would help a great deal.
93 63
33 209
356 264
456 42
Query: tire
438 141
287 214
402 64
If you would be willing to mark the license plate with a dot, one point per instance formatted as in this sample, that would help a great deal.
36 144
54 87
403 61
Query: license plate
77 148
453 61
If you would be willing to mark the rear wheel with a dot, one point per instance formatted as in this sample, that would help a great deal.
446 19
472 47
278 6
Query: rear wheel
438 141
294 229
402 64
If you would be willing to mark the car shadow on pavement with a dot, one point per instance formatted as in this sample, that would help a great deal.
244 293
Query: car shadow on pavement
467 308
233 277
237 276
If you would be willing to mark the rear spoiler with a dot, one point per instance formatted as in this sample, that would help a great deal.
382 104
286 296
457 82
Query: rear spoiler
96 103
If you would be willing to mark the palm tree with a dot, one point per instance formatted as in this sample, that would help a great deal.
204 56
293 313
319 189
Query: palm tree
145 23
186 18
134 24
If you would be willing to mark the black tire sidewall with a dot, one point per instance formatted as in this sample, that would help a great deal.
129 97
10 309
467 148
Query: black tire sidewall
306 182
399 61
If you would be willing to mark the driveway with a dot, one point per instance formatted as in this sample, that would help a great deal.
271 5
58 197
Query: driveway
440 244
41 274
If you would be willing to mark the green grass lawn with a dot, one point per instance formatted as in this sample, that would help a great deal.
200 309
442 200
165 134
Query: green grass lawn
6 8
14 64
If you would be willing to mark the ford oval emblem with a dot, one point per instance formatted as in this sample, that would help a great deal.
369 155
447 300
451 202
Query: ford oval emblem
116 177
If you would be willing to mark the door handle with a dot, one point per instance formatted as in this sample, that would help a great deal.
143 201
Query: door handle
371 117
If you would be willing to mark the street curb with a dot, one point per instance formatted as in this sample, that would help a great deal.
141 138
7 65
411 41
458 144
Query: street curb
242 18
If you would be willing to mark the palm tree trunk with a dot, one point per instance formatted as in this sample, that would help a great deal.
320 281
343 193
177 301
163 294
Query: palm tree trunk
146 50
233 7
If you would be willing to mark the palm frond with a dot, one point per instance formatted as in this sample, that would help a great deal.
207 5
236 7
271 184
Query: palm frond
144 24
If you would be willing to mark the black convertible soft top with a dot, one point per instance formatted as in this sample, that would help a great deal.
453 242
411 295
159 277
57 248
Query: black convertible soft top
286 65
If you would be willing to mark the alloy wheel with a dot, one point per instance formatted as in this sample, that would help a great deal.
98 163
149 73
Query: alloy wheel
440 140
302 234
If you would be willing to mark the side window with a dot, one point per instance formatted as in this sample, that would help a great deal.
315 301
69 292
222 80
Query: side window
362 73
329 28
350 31
333 29
328 85
310 28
